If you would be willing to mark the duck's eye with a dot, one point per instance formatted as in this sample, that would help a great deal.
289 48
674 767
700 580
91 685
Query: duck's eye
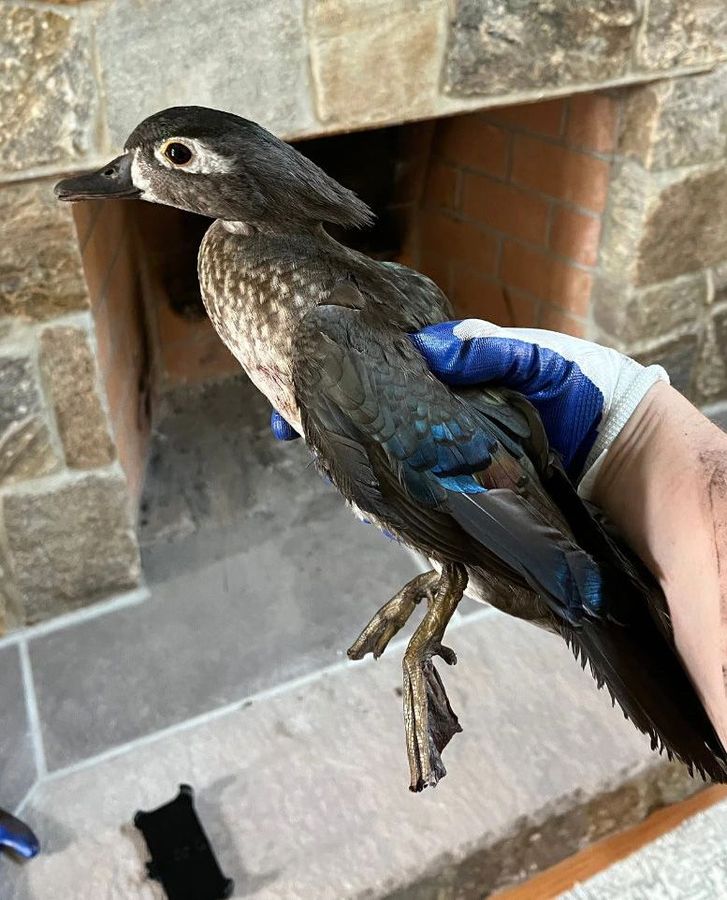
179 154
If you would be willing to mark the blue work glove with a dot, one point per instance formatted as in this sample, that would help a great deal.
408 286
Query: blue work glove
280 428
16 836
584 393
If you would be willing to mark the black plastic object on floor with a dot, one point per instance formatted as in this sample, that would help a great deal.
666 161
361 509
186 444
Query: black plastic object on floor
182 859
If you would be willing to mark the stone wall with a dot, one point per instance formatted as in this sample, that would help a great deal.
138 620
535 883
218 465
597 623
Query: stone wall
66 531
78 75
662 294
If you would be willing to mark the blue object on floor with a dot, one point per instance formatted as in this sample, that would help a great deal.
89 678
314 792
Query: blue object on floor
17 836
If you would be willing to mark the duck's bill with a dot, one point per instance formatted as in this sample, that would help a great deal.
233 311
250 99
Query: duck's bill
110 182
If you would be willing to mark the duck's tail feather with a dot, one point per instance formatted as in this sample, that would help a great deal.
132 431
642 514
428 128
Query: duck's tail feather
632 653
643 674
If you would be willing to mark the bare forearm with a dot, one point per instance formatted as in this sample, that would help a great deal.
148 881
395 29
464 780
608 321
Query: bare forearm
664 484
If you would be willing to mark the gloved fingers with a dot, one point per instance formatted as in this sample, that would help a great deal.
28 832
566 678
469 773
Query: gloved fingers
282 430
460 358
474 351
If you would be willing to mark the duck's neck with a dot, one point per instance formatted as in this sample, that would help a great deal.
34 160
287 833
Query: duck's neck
256 287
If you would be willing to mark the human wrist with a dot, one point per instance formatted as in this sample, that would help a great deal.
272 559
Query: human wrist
634 382
652 470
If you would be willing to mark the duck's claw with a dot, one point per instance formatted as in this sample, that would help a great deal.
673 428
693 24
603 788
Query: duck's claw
392 616
430 724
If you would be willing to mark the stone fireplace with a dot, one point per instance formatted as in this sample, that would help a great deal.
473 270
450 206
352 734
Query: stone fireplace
556 167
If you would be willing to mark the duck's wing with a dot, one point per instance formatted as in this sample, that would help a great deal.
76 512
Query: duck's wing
449 477
449 474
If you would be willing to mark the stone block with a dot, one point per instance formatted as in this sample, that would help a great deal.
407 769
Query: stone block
719 278
41 274
683 34
630 314
250 58
12 614
377 60
679 357
48 94
623 221
70 544
711 376
686 228
659 226
498 48
26 450
680 122
69 370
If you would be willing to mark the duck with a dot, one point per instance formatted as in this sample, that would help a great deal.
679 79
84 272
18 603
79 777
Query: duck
463 476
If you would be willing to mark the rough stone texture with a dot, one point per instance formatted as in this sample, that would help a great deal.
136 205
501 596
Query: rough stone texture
711 377
630 314
320 772
69 369
374 61
25 444
678 122
660 226
498 47
686 228
40 265
48 94
70 545
679 357
17 765
12 614
719 278
250 58
683 34
623 221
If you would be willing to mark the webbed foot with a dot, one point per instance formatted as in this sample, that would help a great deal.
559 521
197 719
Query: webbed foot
429 719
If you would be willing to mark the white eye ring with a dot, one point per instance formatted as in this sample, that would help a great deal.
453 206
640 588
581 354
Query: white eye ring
203 160
184 153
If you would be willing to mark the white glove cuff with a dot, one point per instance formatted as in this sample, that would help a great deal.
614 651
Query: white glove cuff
626 399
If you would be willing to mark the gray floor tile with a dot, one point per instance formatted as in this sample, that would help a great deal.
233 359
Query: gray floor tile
258 574
17 764
305 795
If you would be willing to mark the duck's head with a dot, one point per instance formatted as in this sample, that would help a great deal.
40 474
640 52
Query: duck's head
219 165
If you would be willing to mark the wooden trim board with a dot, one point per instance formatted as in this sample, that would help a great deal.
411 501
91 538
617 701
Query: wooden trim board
594 859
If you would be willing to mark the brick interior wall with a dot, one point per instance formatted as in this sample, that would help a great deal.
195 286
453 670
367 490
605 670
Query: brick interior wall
111 267
513 200
185 345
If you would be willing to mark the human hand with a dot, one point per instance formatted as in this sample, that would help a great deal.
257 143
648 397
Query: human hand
585 393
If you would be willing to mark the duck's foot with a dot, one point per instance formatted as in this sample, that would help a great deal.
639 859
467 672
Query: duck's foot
429 719
393 616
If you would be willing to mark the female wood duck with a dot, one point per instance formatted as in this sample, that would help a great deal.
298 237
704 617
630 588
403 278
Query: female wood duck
464 476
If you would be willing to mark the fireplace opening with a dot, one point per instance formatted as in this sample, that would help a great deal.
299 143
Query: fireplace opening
501 208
